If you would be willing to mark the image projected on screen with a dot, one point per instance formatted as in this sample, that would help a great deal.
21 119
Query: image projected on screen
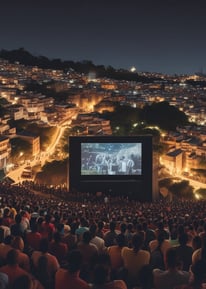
111 159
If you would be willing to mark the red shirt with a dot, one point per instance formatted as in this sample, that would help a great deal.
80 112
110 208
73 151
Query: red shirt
33 240
65 280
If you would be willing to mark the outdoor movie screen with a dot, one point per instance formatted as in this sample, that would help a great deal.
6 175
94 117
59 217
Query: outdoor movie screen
111 159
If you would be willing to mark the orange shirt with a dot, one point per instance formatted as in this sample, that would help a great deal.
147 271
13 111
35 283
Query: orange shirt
115 256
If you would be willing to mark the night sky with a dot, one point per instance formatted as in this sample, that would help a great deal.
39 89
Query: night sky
167 36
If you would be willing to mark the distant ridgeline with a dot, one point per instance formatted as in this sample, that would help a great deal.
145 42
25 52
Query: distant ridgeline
86 66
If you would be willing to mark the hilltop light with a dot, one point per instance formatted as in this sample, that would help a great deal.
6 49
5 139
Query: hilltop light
133 69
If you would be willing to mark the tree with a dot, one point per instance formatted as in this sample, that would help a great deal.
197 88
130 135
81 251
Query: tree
182 190
163 115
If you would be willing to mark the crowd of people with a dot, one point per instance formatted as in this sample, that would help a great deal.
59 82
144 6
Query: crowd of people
54 239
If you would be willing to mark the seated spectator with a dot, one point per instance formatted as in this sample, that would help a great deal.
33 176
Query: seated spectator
198 278
83 227
89 251
52 262
5 247
111 235
12 269
68 278
23 259
134 259
102 279
18 229
99 242
58 248
33 238
26 282
115 254
200 254
184 252
5 230
196 243
160 242
172 276
7 219
70 238
47 228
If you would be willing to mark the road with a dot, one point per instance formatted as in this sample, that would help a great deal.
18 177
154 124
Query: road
40 159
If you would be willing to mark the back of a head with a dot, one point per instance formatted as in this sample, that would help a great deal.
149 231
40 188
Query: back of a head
22 282
74 259
137 241
18 243
12 257
172 258
183 239
123 227
121 240
86 238
57 237
44 245
112 225
18 218
101 274
160 237
93 229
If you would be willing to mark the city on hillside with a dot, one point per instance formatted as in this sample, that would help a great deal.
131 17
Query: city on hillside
40 108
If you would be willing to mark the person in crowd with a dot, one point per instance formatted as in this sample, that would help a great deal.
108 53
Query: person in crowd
134 259
102 279
68 278
33 238
7 219
70 238
47 227
89 251
161 243
26 282
58 248
23 259
100 227
5 247
196 243
115 254
149 235
198 278
83 227
111 235
99 242
184 252
5 231
12 269
18 229
173 275
51 263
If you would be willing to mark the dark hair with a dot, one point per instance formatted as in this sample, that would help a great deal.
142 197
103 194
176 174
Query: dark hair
121 240
101 274
74 259
183 239
12 257
137 241
23 281
172 258
86 238
44 245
